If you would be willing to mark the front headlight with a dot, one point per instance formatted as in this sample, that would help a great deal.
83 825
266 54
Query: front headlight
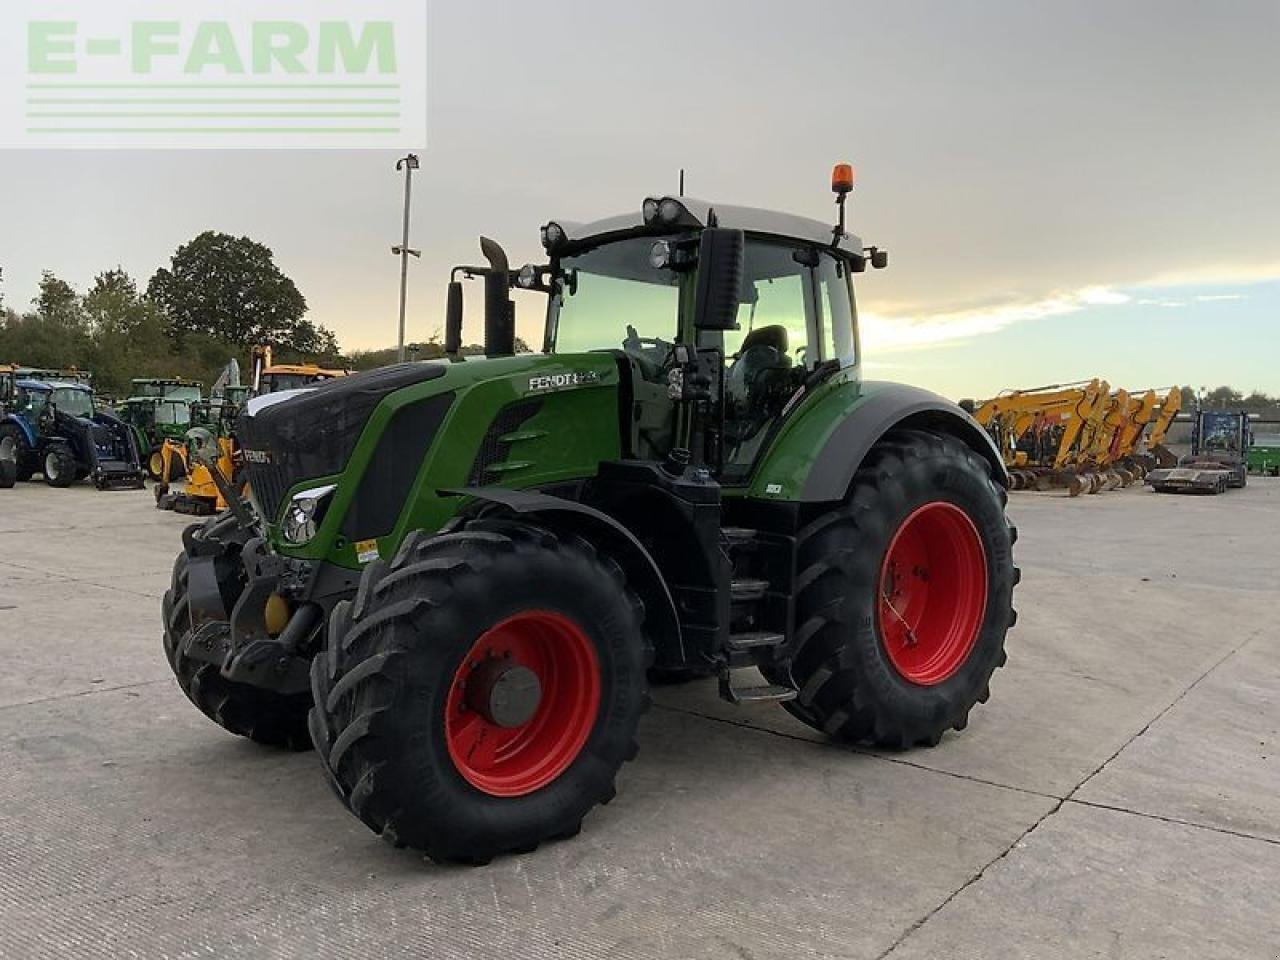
303 514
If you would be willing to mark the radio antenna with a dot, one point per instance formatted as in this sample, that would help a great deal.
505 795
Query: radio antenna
682 181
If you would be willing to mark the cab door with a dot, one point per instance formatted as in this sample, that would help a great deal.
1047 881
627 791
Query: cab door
795 322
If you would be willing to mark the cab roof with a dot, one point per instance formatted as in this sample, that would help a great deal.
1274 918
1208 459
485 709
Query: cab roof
48 385
751 220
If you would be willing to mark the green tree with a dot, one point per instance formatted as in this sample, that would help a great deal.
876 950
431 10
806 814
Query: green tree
55 334
230 288
129 334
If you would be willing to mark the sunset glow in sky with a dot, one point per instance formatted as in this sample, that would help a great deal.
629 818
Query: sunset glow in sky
1066 190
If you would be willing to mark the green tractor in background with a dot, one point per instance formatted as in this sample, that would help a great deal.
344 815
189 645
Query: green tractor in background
159 409
455 578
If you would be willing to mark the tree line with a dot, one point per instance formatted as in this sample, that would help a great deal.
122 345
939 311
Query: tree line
218 296
1228 398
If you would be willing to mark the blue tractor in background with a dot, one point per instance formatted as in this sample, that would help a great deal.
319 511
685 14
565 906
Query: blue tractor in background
52 427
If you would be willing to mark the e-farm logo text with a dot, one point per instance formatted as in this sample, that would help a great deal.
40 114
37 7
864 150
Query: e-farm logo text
194 74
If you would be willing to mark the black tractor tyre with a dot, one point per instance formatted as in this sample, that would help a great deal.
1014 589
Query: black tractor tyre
19 452
394 720
266 717
851 686
59 467
8 473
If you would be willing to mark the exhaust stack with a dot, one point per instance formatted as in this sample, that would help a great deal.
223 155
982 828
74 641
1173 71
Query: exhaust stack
499 310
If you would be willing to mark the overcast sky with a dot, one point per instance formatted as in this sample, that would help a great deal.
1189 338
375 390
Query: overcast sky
1066 189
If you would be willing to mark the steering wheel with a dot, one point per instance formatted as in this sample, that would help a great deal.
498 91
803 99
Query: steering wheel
650 353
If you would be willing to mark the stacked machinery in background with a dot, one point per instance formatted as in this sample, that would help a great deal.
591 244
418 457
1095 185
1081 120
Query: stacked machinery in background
1083 436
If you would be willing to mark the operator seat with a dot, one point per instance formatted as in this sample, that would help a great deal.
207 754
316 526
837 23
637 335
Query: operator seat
762 358
763 349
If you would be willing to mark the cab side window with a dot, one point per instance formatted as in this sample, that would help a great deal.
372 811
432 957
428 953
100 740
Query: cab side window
770 353
835 303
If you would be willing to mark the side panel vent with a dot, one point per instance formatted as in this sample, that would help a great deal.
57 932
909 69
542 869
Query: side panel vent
492 448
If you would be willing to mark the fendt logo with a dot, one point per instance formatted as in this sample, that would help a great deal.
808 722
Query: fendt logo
268 73
561 381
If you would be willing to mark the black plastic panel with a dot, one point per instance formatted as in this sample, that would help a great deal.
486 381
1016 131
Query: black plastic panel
386 482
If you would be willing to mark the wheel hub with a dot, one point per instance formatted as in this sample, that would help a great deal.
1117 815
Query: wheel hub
504 693
932 593
522 703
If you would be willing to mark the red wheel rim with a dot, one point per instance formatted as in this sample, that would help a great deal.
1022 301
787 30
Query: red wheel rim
506 760
932 593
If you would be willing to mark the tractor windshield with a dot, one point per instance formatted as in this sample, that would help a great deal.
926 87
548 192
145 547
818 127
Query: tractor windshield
275 382
173 413
76 403
31 403
612 297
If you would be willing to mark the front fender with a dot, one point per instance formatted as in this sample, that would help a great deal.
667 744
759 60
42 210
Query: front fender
815 459
642 571
25 427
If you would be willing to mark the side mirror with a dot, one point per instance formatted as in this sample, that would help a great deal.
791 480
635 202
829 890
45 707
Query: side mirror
453 319
879 258
719 286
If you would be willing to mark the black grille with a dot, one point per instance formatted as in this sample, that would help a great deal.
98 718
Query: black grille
313 434
492 449
386 481
269 484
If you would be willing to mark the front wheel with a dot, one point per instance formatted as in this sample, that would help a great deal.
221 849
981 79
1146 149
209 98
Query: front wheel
905 597
15 449
482 690
266 717
59 467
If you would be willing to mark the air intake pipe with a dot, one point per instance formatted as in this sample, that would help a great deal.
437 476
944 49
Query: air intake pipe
499 311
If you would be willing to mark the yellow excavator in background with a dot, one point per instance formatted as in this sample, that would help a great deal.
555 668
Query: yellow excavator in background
1081 435
200 495
1040 431
1098 460
1159 454
270 377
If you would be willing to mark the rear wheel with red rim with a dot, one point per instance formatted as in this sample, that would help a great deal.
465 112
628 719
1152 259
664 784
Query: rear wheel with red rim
905 595
932 593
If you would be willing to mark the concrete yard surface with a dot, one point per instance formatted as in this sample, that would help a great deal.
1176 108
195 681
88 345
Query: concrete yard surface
1119 796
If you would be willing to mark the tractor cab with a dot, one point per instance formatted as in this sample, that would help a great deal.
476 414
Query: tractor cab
731 314
37 402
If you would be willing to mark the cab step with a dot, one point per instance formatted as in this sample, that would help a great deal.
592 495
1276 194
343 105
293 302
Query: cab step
760 693
739 536
747 588
754 639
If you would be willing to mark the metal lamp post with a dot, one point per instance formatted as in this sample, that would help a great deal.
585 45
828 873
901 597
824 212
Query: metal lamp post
408 164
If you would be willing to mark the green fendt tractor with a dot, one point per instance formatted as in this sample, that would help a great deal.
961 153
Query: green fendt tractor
455 577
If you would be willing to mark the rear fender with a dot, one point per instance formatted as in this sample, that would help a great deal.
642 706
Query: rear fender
642 571
842 429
